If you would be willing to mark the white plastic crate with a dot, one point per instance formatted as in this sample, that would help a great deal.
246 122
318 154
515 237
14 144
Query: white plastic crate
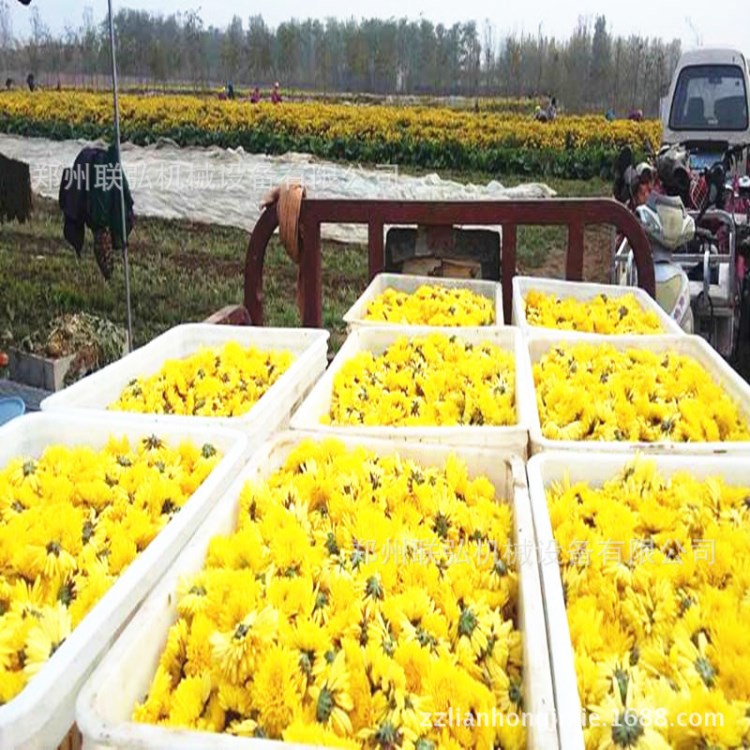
692 346
551 467
355 317
377 340
107 701
268 415
39 717
580 291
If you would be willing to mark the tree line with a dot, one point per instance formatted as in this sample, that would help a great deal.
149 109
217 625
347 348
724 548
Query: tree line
591 70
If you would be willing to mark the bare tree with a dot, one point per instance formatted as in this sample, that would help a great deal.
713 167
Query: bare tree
6 36
194 41
232 48
6 26
259 48
600 71
37 41
618 63
541 44
488 51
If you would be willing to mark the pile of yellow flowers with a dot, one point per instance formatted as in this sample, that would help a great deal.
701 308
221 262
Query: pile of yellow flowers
224 382
596 392
360 597
601 314
656 574
426 381
70 523
434 306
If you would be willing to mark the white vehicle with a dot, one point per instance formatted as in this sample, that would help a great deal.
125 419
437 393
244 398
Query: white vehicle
707 106
708 112
705 139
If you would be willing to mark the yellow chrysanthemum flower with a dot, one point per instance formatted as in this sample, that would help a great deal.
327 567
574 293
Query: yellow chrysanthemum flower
597 392
224 382
277 689
432 306
657 612
434 380
337 612
601 314
71 521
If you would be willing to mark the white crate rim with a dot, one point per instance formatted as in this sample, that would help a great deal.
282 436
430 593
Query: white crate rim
134 736
693 346
507 337
70 656
550 467
583 291
355 316
312 343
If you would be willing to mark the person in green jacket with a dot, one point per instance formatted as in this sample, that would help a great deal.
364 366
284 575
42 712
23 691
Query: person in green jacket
90 197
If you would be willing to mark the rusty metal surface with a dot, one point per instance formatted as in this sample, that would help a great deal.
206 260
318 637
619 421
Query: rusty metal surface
574 214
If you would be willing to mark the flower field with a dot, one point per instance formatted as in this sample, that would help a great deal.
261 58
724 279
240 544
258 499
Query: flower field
428 137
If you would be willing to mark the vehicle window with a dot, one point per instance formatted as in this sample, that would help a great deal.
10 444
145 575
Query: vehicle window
710 97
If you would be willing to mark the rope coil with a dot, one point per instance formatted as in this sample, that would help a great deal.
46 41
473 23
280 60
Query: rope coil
288 200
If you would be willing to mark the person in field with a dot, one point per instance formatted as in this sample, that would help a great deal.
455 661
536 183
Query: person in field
552 109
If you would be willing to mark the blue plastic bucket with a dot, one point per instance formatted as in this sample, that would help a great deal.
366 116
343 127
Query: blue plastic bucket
10 408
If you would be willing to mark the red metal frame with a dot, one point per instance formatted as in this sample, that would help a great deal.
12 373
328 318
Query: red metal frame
376 214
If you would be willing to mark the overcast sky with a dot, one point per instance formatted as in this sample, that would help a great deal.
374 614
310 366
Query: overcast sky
693 21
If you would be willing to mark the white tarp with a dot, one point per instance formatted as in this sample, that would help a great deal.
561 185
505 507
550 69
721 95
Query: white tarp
226 186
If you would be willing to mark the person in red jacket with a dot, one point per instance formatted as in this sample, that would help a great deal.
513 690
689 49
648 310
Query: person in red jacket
276 94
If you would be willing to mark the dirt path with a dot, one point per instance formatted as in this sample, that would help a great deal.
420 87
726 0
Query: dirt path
596 259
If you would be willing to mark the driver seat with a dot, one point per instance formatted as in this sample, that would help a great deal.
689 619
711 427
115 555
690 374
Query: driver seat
695 116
